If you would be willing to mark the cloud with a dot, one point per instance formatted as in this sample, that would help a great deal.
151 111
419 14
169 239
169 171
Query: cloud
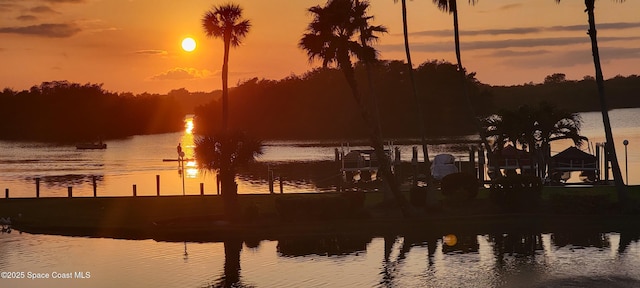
619 53
502 44
527 30
569 58
510 6
65 1
514 53
6 7
43 10
27 18
44 30
179 73
493 32
151 52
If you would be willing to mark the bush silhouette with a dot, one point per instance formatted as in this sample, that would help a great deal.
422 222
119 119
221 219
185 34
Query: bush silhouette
516 192
459 187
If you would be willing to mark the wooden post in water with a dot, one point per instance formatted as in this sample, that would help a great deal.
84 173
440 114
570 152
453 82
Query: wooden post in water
218 183
37 187
598 165
280 179
606 163
202 189
270 176
472 160
135 190
414 162
158 185
95 186
481 164
6 193
70 192
396 163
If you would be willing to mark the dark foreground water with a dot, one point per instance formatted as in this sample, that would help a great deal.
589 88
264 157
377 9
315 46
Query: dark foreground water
518 259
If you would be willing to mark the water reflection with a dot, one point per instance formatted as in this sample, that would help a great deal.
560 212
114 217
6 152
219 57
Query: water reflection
513 259
231 276
323 246
69 180
581 239
519 259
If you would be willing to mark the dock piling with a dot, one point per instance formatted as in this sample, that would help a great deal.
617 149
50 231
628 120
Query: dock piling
414 163
270 176
218 183
95 186
37 187
201 189
6 193
158 185
135 190
70 192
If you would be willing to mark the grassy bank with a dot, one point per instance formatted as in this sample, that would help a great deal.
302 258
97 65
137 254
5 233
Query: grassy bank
171 216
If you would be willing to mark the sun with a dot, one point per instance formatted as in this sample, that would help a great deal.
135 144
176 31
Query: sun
188 44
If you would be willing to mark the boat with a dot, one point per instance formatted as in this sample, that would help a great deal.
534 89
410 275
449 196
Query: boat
98 145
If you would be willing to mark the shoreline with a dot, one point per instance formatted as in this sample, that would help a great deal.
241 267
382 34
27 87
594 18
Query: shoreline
200 218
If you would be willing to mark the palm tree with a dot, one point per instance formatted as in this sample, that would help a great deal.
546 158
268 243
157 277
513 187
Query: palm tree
225 21
226 152
508 127
554 124
367 35
419 109
611 149
329 38
534 128
451 6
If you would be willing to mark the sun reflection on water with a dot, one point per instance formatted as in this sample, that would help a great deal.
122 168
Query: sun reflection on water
187 140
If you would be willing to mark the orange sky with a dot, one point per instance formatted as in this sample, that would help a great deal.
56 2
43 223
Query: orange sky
134 45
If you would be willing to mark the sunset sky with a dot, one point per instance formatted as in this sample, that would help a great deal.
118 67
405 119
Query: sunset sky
134 45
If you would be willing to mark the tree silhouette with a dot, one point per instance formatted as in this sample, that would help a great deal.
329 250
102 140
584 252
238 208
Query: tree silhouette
225 21
451 6
419 108
329 37
367 35
65 112
610 145
534 128
226 152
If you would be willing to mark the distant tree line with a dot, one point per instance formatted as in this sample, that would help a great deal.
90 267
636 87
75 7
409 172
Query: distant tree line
60 111
317 104
573 95
314 105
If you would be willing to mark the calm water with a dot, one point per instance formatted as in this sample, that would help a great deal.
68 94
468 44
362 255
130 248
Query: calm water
504 260
512 259
137 160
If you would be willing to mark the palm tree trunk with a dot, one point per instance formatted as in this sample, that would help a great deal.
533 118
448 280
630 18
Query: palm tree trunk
372 95
617 174
374 137
225 83
229 190
465 92
423 140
